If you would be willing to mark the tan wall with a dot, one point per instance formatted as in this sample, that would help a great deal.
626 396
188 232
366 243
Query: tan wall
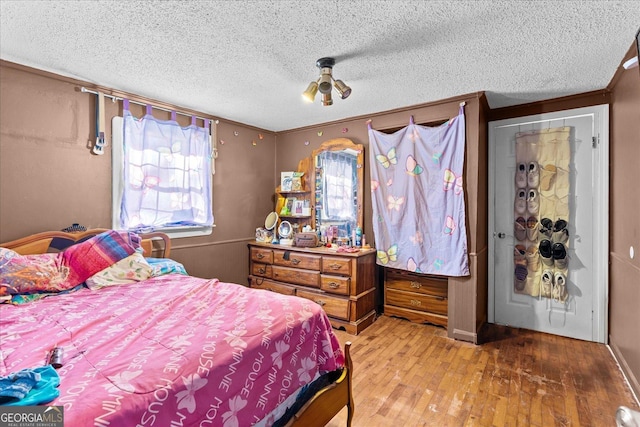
49 179
624 278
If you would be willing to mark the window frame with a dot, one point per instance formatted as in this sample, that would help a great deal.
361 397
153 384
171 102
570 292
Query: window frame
117 187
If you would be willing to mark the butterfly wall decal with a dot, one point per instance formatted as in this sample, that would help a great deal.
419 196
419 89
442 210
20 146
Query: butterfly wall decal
451 181
390 254
389 159
395 202
412 166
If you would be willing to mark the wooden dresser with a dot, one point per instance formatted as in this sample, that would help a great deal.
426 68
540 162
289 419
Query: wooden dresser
343 284
416 297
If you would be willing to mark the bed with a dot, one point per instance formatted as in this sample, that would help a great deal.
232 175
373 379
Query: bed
170 349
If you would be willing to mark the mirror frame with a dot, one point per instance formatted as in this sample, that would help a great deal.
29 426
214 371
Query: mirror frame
339 144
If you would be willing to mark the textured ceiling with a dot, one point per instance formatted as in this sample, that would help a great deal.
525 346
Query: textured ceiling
249 61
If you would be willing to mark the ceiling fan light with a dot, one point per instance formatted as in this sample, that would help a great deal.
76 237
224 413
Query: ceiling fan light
310 93
326 99
342 89
324 86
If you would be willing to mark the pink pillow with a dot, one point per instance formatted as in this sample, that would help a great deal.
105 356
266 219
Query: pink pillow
97 253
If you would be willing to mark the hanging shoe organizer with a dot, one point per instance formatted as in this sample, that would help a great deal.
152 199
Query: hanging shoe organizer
541 213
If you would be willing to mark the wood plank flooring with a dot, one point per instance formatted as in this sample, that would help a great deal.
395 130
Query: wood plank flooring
406 374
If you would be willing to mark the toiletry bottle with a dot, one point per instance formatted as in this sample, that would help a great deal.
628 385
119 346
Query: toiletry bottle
358 239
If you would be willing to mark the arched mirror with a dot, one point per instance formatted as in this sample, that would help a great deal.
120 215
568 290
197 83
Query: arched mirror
338 165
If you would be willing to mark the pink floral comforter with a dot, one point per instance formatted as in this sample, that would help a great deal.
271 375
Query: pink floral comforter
172 350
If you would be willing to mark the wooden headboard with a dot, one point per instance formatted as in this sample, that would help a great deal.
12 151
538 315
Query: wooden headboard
154 244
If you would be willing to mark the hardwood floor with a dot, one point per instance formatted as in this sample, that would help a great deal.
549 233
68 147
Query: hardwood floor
406 374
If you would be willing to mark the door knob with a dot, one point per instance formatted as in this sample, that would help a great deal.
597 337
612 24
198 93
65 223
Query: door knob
501 235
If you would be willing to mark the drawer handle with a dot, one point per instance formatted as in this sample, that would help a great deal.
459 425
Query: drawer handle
416 285
295 261
262 270
415 302
334 285
320 302
259 256
335 266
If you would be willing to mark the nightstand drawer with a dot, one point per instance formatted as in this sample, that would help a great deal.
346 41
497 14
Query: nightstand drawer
333 306
297 260
416 301
335 284
335 265
262 255
297 276
262 270
258 283
416 283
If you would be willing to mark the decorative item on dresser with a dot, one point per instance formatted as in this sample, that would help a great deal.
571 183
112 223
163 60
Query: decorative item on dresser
417 297
343 283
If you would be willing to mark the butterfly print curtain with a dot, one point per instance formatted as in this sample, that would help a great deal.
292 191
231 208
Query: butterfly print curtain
417 197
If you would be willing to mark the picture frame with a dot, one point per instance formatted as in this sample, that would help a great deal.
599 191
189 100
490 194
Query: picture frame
286 181
296 181
288 207
298 208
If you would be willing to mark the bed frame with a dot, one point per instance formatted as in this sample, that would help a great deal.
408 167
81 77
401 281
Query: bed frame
317 411
154 244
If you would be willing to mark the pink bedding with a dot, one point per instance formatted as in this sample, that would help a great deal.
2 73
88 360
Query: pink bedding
172 350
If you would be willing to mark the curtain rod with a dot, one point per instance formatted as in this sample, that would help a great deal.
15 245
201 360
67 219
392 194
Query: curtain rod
118 98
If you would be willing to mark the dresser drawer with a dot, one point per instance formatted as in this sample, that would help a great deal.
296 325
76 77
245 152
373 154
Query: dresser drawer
297 276
416 283
262 270
416 301
335 284
296 259
336 265
333 306
263 255
258 283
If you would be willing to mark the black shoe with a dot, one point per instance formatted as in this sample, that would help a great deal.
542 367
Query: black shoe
546 252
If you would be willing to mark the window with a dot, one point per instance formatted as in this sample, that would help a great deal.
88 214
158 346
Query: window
161 176
338 189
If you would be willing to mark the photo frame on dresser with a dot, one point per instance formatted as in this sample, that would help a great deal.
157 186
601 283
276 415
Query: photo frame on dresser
298 208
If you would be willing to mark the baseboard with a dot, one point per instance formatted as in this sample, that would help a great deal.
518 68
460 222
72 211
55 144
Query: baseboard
626 371
465 336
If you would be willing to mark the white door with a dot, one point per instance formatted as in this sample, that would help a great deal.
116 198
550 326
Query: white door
583 314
